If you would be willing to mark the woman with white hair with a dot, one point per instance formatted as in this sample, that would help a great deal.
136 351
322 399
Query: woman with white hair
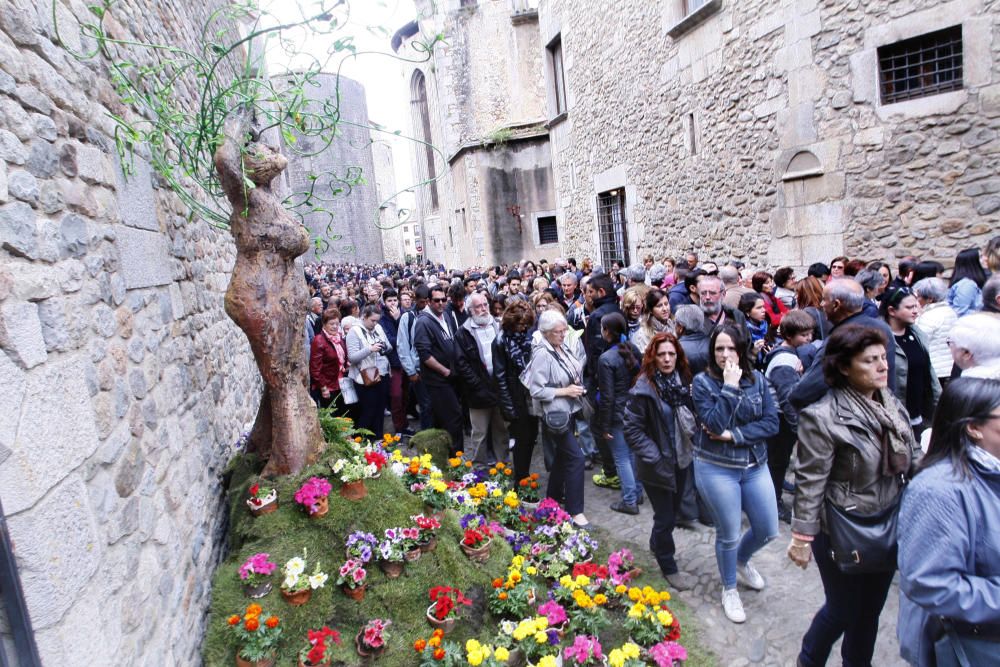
975 345
935 322
555 382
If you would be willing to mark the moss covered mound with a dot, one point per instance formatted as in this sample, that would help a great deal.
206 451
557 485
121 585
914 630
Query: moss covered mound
285 533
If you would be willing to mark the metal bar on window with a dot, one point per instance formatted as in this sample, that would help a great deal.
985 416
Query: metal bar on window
612 228
12 598
921 66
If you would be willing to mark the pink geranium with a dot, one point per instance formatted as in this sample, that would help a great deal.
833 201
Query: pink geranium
553 611
666 653
255 568
311 492
584 651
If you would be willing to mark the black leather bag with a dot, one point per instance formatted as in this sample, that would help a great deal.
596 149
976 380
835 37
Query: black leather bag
557 421
863 543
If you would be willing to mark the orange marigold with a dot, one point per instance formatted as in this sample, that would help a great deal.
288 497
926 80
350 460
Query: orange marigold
252 624
271 622
420 645
234 619
498 582
439 653
438 632
434 641
254 609
502 595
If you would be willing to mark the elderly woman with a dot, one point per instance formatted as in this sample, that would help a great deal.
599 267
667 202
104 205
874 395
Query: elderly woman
367 346
935 322
854 447
511 355
949 535
328 363
656 320
555 383
874 284
916 382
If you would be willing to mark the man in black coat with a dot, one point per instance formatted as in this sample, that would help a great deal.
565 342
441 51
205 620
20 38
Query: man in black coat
689 323
433 336
602 300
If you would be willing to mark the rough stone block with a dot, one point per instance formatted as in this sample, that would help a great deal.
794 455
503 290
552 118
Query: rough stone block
4 196
820 247
94 165
57 549
816 219
13 382
136 202
21 333
17 230
795 126
145 258
45 448
22 185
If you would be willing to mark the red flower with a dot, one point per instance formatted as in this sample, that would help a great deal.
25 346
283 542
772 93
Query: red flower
271 622
439 653
254 489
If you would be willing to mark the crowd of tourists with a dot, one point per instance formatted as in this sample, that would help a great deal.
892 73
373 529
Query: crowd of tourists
858 402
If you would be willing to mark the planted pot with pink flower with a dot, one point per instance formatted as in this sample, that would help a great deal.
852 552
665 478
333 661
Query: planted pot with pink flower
371 641
313 495
410 540
392 559
254 574
317 652
585 651
428 527
352 577
555 613
667 654
263 499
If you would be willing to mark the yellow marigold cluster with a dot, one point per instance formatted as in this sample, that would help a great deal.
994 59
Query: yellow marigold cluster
476 652
618 656
532 627
511 500
477 491
647 595
571 584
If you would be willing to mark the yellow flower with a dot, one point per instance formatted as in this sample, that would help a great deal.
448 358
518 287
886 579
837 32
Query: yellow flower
637 610
531 570
634 594
496 493
475 658
600 599
665 618
582 580
631 650
515 576
566 581
517 562
621 588
616 658
438 485
502 654
547 661
541 637
473 645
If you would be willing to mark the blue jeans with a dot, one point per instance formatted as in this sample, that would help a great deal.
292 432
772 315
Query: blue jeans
620 452
584 436
729 492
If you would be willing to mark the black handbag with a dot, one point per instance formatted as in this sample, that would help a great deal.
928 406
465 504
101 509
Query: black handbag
863 543
557 421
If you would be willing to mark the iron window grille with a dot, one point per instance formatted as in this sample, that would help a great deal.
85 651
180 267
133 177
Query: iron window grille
920 66
548 231
612 228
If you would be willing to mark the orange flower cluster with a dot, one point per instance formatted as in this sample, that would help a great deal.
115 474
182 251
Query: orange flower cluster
251 619
529 482
434 643
501 469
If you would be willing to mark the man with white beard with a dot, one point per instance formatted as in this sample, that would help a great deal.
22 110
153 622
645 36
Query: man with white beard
474 367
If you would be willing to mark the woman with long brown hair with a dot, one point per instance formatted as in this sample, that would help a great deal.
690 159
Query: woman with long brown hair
658 426
808 295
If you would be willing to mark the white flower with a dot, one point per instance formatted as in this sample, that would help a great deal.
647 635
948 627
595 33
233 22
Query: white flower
397 468
317 580
339 465
291 580
295 566
370 470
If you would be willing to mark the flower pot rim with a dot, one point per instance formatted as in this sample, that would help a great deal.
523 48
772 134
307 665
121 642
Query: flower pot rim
257 503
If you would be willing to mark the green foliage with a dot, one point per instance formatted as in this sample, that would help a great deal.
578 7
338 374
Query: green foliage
433 441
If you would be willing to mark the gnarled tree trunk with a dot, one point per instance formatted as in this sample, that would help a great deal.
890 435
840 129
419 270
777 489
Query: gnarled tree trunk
267 299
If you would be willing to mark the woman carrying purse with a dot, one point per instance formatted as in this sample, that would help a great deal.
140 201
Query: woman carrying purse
366 349
855 447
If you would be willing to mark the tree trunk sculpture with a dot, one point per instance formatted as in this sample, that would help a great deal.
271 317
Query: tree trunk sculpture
267 299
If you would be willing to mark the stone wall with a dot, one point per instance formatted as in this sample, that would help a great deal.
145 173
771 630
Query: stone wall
754 129
124 382
393 241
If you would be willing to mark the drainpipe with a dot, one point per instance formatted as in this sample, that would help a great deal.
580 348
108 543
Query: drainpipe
12 598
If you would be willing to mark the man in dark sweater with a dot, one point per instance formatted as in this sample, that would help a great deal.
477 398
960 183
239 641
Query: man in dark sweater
601 297
433 337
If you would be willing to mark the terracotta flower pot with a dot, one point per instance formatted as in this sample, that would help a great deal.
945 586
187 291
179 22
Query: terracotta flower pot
479 554
269 504
258 591
413 554
364 650
433 512
299 598
354 490
357 594
393 569
322 507
447 625
266 662
429 545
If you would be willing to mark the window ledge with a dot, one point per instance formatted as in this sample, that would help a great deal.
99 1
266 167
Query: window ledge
524 16
555 121
695 18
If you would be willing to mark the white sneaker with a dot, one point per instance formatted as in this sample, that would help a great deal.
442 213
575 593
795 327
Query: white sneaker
750 577
732 606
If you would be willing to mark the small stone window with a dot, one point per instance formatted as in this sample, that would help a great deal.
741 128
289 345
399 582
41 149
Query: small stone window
925 65
612 228
555 53
691 5
548 231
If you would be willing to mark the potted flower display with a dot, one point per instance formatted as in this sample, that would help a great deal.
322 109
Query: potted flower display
436 652
352 577
263 499
529 491
649 621
555 614
621 567
628 654
428 527
667 654
254 574
410 543
352 472
313 495
445 606
371 640
537 641
435 496
391 556
257 636
316 653
297 586
361 545
514 595
376 457
585 650
476 543
486 655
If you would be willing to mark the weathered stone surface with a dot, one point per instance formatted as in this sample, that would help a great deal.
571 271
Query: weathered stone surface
12 380
136 202
21 333
73 235
145 258
94 165
17 230
42 159
22 185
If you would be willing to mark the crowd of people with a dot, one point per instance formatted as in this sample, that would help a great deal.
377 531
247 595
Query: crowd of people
851 403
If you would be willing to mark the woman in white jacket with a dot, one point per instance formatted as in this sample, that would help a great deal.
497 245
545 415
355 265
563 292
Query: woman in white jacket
935 322
367 346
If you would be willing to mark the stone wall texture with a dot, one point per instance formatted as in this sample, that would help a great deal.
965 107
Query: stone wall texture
707 129
124 382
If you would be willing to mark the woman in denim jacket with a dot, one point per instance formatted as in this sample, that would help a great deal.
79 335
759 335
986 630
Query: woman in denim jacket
737 414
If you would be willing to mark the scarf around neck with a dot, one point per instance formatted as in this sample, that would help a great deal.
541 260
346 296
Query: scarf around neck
518 347
882 418
671 390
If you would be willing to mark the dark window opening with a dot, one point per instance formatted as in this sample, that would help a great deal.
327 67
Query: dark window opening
418 104
558 76
548 231
925 65
612 228
691 5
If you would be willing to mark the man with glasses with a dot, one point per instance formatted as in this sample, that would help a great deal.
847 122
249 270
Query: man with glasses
433 337
711 292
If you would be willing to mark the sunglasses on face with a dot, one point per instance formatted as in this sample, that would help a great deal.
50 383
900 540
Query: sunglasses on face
444 300
898 295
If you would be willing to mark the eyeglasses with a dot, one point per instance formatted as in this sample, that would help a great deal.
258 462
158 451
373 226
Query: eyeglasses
444 300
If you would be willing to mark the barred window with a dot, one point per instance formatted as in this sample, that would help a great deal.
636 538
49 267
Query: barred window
612 228
920 66
548 231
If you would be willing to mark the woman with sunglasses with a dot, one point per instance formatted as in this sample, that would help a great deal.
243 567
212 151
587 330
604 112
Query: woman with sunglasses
949 535
917 385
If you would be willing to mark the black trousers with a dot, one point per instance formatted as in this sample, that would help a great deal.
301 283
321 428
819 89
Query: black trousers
566 476
666 509
779 453
524 430
372 401
853 605
447 413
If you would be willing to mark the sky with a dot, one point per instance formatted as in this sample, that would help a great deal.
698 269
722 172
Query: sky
371 23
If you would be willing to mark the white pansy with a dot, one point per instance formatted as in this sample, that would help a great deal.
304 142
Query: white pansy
317 580
370 470
339 465
291 580
295 566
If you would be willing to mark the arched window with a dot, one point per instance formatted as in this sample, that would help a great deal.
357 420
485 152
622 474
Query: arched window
422 124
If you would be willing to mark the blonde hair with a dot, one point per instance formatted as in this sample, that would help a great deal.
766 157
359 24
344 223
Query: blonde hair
635 295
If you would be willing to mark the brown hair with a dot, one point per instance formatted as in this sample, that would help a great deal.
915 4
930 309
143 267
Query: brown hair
758 280
648 366
795 322
845 343
809 292
331 313
517 313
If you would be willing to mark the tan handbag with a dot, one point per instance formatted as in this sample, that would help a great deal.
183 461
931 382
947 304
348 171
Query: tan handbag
370 376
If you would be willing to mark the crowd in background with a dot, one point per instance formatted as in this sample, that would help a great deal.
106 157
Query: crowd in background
714 392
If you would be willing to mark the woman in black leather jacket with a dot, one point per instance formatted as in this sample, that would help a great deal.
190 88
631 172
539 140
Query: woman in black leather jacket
659 423
511 354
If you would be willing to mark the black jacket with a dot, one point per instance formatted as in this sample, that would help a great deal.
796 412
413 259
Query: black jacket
614 379
593 342
733 316
695 344
477 384
514 397
430 340
650 431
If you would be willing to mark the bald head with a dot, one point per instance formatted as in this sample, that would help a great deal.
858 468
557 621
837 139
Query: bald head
842 298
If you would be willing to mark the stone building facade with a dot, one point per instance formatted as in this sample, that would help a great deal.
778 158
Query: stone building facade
478 112
774 132
393 241
346 229
124 382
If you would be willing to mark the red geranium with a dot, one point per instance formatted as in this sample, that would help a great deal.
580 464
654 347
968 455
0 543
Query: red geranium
317 641
378 458
446 600
476 537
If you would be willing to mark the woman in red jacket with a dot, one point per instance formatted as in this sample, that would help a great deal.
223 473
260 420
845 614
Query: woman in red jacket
763 283
327 363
